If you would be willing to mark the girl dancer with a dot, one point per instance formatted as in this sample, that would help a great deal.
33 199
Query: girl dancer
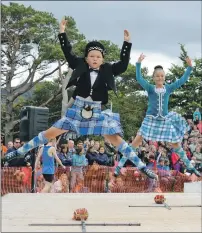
159 124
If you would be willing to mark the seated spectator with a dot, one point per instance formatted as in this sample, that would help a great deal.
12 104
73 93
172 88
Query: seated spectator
200 140
117 185
161 164
187 150
193 162
166 165
176 165
186 136
153 149
198 155
152 143
79 187
193 142
182 167
142 154
151 162
159 153
62 185
199 126
195 132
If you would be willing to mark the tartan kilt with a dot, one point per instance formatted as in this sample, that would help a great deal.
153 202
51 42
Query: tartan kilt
169 129
101 123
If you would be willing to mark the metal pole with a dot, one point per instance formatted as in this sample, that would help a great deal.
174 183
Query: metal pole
107 181
164 206
86 224
33 169
83 225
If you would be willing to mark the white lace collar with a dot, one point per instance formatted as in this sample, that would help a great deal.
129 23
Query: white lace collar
160 90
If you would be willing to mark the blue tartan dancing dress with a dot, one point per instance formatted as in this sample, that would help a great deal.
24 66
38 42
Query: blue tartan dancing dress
159 124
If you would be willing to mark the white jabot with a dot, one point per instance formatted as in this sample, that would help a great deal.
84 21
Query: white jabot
93 76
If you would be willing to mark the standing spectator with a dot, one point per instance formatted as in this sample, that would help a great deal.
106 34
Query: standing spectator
97 146
78 162
110 151
92 156
86 145
22 143
103 158
16 162
64 157
16 145
3 148
80 144
92 142
71 149
196 116
10 145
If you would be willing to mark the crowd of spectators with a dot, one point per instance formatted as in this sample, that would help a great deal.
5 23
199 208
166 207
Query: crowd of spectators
79 154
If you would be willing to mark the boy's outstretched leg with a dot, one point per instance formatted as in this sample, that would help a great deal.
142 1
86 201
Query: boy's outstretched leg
41 139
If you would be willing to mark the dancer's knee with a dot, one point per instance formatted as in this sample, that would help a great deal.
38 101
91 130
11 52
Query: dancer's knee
53 132
176 145
137 141
115 139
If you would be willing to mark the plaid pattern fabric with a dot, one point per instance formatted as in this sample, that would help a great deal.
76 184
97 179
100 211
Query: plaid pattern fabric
183 157
128 153
171 129
101 123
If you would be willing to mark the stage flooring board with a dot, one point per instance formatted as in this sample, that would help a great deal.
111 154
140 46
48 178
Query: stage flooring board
20 210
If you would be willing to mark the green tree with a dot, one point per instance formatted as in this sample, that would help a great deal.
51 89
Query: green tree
128 83
131 109
30 49
187 98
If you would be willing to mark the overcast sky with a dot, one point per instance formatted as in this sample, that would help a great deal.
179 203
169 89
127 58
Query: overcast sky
156 27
